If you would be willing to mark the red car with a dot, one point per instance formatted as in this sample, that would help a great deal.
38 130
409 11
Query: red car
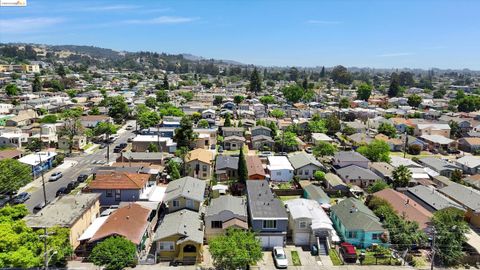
348 252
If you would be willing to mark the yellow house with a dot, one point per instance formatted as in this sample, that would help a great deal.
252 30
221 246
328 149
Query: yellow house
75 212
179 238
199 163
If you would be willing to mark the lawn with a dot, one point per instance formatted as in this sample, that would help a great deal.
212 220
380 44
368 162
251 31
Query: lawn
286 198
295 258
371 260
335 257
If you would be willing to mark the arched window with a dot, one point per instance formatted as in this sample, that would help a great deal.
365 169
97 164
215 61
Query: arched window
189 249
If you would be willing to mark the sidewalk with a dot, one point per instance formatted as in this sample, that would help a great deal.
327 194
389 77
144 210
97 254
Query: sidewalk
37 183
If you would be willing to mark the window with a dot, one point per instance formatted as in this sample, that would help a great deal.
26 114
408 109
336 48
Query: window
302 225
175 203
307 172
216 224
352 234
204 175
167 246
269 224
189 204
204 168
300 172
118 195
109 193
376 236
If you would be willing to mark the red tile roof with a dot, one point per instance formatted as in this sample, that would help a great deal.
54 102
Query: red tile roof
119 180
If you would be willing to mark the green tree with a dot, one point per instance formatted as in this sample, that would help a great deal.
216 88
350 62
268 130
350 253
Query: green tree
228 122
61 71
387 129
401 176
267 100
184 134
255 82
242 167
394 88
49 119
322 73
118 108
203 123
37 85
414 149
414 100
348 130
235 250
165 84
450 228
71 126
238 99
344 103
332 123
218 100
114 253
376 151
364 91
340 75
151 102
35 144
12 90
148 119
187 95
319 176
14 175
94 111
288 140
293 93
324 149
377 186
162 96
167 109
457 176
277 113
153 148
104 128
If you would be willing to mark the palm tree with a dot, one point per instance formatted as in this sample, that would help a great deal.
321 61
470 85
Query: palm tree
401 176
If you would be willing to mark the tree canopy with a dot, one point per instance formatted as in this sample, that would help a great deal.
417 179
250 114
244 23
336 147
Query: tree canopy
376 151
293 93
114 253
414 100
364 91
255 82
14 175
401 176
324 149
388 130
341 75
184 134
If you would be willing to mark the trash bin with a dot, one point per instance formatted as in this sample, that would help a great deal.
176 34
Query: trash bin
314 250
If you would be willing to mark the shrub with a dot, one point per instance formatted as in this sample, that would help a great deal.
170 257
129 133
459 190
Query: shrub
414 149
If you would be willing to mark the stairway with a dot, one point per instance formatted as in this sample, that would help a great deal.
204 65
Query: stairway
322 247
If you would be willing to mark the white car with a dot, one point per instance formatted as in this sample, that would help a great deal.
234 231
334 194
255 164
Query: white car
55 176
280 257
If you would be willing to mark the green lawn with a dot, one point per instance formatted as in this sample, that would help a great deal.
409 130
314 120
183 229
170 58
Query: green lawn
335 257
286 198
295 258
371 260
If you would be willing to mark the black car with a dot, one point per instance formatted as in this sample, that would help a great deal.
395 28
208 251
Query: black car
39 207
102 145
117 150
21 198
123 145
61 191
71 186
4 199
82 178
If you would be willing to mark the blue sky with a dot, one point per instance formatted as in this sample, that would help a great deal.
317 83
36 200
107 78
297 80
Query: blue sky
387 33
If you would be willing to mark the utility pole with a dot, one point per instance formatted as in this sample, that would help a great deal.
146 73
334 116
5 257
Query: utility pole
433 249
405 145
45 262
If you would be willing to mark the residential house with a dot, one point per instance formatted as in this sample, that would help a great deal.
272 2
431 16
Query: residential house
305 165
206 137
438 143
469 144
441 166
41 161
91 121
208 114
116 187
225 212
473 180
22 119
408 209
185 193
307 222
179 237
357 224
469 164
226 167
262 142
159 131
355 175
11 154
232 131
317 138
141 143
359 139
255 168
233 142
382 169
149 157
358 126
75 212
199 163
430 198
78 143
432 129
280 169
316 193
13 138
261 130
334 183
468 198
268 217
346 158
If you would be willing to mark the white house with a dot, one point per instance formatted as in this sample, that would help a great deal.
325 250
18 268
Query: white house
280 169
5 108
13 138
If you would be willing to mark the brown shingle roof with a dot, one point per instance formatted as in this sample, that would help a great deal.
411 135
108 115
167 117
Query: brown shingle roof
254 165
202 155
130 222
472 140
10 154
119 180
406 207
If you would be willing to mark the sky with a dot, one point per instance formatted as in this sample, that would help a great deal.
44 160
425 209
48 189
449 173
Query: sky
374 33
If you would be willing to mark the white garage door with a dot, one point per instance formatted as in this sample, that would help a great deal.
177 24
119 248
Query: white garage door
302 239
271 241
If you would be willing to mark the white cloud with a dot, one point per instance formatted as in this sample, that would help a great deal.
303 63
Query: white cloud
26 25
163 20
323 22
111 8
396 54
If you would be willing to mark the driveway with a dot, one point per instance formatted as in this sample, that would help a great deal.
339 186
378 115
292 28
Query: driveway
308 261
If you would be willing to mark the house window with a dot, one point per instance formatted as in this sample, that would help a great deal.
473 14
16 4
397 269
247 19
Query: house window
118 195
216 224
302 225
204 168
189 204
300 172
109 193
167 246
175 203
204 175
352 234
307 172
376 236
269 224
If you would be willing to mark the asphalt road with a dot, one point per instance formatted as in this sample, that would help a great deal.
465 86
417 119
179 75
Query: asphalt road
81 164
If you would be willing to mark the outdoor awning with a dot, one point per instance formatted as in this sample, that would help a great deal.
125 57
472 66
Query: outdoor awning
93 228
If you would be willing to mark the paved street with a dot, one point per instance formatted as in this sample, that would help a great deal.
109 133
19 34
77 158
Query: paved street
71 168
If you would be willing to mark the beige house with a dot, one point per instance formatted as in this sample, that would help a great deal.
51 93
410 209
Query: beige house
185 193
199 163
79 142
225 212
432 129
75 212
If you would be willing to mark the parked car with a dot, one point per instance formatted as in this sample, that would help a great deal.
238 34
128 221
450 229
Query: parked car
129 127
348 252
61 191
102 145
309 150
21 198
55 176
117 150
266 154
71 186
280 257
39 207
4 199
123 145
81 178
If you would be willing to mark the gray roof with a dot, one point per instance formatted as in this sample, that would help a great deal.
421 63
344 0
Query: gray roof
431 197
302 159
234 138
261 127
236 205
316 192
354 215
465 196
262 137
346 156
382 167
232 129
438 164
334 180
262 204
356 172
224 162
188 187
63 212
184 222
144 155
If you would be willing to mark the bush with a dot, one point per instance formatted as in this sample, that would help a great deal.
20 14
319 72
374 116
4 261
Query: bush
414 149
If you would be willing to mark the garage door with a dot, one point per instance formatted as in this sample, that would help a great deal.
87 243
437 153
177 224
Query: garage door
301 239
271 241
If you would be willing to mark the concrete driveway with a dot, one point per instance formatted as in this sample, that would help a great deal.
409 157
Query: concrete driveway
308 261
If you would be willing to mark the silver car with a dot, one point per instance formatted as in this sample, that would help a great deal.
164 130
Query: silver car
280 257
55 176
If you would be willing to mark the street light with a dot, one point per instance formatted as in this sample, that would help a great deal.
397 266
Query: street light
50 258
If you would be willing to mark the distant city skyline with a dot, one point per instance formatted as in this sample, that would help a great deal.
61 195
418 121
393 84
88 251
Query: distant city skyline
378 34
